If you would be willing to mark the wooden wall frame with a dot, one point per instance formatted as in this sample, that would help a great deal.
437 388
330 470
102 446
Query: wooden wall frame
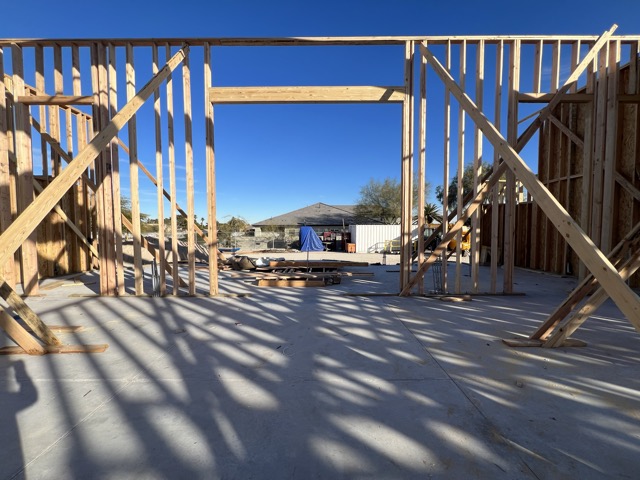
96 160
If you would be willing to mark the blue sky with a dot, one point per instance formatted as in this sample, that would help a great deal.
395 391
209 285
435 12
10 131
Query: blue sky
275 158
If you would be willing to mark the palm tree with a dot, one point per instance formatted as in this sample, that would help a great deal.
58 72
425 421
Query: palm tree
432 213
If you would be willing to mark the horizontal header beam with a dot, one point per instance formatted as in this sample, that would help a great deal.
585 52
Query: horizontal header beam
351 94
307 41
546 97
55 100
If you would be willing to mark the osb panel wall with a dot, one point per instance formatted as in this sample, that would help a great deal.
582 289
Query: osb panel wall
60 252
560 168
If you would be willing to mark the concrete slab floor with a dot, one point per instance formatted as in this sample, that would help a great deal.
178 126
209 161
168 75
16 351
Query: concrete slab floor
310 383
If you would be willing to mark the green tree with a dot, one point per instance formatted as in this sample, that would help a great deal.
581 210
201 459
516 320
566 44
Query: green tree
467 186
234 226
382 200
125 208
432 213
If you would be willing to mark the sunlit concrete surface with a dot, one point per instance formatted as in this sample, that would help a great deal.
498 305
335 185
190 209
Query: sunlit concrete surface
311 383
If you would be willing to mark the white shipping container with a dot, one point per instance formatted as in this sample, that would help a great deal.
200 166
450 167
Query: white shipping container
373 238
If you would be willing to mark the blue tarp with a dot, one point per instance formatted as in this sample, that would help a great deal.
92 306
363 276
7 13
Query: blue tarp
309 240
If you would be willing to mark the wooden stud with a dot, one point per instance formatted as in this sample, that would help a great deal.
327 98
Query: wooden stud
440 250
587 164
133 176
422 145
25 174
495 194
80 188
477 169
461 146
26 223
606 274
447 159
211 179
510 196
553 159
69 205
188 145
331 94
42 115
151 249
172 176
162 259
115 177
600 145
7 269
108 275
54 111
406 169
60 239
611 147
537 68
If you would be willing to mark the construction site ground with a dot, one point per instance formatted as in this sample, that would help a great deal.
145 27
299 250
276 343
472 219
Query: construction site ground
265 382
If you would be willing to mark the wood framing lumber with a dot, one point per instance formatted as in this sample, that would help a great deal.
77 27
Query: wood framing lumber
523 97
603 270
29 317
151 249
611 147
5 169
290 283
569 325
422 154
55 99
24 172
508 249
469 196
115 175
55 145
20 335
167 195
555 100
446 239
98 348
172 171
314 264
160 180
309 41
495 194
477 168
332 94
526 342
74 228
133 175
406 167
627 185
63 328
210 165
586 286
461 154
25 224
188 155
566 130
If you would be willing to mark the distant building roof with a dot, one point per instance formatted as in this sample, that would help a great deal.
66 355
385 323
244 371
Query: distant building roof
314 215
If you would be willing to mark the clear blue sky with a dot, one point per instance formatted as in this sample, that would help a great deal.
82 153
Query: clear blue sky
276 158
